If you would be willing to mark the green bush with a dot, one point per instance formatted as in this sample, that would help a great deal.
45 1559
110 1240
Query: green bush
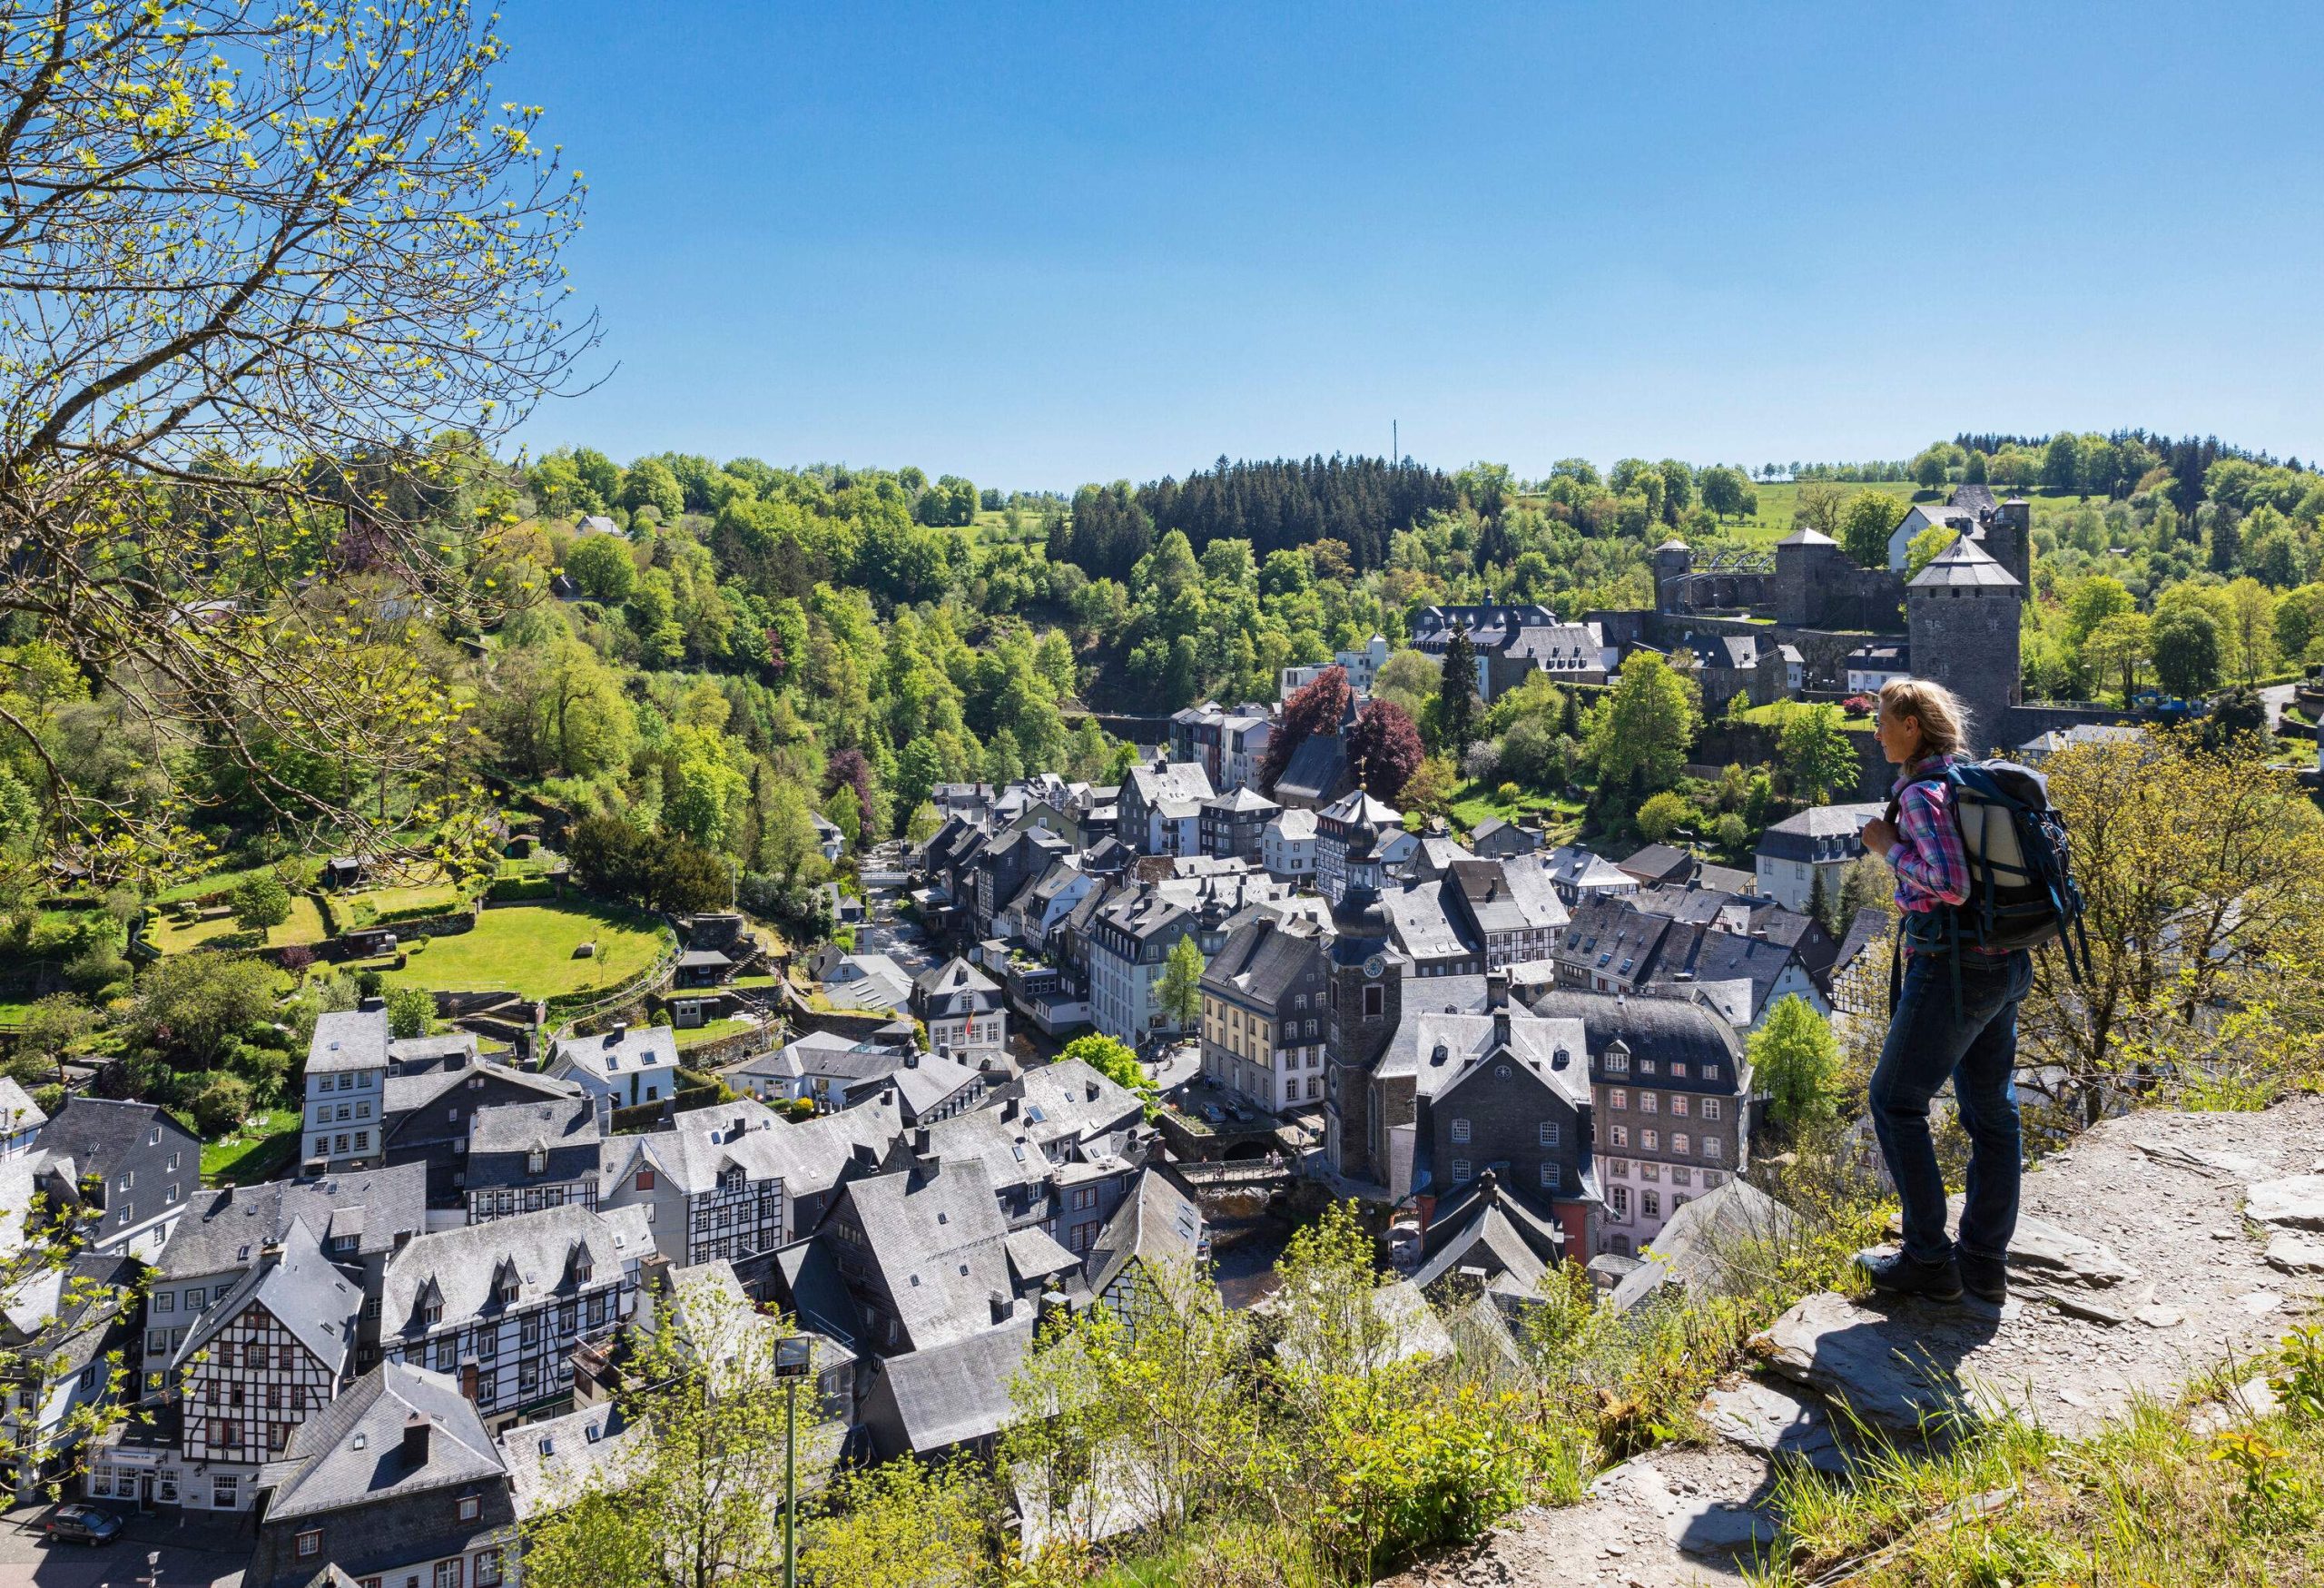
508 889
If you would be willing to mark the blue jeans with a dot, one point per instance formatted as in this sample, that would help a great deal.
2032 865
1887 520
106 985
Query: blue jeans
1975 1048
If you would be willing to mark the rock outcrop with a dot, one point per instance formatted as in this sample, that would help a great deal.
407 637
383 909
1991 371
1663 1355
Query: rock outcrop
2156 1250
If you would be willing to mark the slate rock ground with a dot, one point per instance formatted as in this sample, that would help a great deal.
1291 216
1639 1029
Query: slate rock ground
2158 1250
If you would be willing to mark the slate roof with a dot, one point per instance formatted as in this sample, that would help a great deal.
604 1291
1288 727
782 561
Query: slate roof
1317 770
1580 868
1699 1240
303 1291
1964 564
701 1144
1806 536
1263 959
883 985
17 1109
407 1094
639 1047
555 1460
1034 1254
99 1138
223 1230
1169 780
1658 863
1294 826
1157 1223
350 1453
1068 1101
938 1242
958 1391
518 1127
927 1082
1241 801
1726 879
1422 924
462 1262
1467 1041
1665 1029
1477 1227
1821 833
1736 652
1513 895
955 988
1359 809
352 1039
1870 925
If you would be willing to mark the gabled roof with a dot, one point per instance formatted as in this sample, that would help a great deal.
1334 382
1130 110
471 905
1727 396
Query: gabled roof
1294 826
407 1094
927 1081
1071 1101
520 1127
1169 780
1263 957
350 1453
17 1109
620 1052
223 1230
1034 1254
1665 1029
352 1039
555 1461
957 1390
302 1289
1317 770
1701 1243
461 1263
1658 863
938 1243
1440 1052
1242 801
1157 1223
1479 1226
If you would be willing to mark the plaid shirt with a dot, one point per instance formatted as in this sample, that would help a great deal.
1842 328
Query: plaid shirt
1930 865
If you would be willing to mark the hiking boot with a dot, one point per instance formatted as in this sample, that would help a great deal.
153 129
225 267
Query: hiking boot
1896 1274
1985 1277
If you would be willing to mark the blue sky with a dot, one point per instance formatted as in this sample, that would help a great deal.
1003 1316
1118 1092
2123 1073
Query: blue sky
1038 245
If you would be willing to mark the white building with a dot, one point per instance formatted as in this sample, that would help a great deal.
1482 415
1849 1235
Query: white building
1287 847
347 1078
1798 848
629 1065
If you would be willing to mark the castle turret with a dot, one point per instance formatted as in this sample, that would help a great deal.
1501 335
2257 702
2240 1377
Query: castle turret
1673 561
2009 539
1963 611
1806 561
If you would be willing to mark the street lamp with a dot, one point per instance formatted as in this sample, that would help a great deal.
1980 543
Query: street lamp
792 1356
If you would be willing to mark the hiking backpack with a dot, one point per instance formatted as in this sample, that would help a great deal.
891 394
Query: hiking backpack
2022 892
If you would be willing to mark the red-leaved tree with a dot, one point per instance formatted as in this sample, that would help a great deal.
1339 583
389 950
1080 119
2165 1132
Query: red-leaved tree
1316 709
1383 750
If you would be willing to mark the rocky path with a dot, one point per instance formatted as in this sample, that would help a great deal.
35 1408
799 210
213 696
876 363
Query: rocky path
2158 1249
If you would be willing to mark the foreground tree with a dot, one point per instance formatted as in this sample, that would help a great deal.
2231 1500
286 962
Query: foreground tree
1817 756
694 1497
2199 873
248 252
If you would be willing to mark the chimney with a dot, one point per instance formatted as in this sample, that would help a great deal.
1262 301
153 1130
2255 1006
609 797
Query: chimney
1496 989
1500 1027
467 1383
1091 1087
604 1107
1007 1110
865 1158
911 1059
919 1142
1001 1306
371 1005
616 1032
416 1430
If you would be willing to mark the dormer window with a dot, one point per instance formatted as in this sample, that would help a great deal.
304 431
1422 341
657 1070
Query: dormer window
432 1314
537 1161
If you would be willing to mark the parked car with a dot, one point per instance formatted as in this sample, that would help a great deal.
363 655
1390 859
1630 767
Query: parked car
1214 1113
82 1525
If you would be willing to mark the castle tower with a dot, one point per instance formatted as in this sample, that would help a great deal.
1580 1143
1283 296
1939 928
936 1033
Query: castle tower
1673 561
1963 611
2009 539
1806 561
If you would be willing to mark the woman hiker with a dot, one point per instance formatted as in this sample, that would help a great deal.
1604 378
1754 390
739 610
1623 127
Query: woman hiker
1935 1034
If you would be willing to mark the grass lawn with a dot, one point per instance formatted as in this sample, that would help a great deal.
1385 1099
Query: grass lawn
258 1151
305 925
1772 715
297 872
528 948
435 898
1773 520
1474 802
711 1031
13 1011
